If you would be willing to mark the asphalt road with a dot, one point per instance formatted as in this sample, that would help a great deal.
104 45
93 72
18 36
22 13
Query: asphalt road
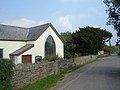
101 75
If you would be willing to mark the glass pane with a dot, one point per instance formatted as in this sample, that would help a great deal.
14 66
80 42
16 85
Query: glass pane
50 49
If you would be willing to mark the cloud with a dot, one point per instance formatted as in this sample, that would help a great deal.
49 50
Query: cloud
64 22
23 22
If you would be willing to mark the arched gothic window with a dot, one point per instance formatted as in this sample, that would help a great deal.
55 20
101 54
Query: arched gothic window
50 48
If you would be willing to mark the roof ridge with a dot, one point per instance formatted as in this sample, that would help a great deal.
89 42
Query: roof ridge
14 26
24 27
40 25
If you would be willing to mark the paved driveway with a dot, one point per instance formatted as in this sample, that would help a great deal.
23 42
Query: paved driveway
101 75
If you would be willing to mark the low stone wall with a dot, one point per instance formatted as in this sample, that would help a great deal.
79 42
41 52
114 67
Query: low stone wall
29 73
65 63
75 61
84 59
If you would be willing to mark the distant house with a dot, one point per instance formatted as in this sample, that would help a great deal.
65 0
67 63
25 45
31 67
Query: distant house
25 44
100 52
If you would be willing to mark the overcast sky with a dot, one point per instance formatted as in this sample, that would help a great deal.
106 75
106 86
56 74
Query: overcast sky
65 15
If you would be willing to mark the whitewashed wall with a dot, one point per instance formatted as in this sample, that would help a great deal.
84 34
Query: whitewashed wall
40 43
10 46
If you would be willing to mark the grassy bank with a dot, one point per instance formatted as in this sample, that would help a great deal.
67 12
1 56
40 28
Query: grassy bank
102 56
44 83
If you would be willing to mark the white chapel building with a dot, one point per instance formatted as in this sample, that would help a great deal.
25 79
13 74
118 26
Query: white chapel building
25 44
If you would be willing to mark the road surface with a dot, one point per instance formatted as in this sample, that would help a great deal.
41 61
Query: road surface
101 75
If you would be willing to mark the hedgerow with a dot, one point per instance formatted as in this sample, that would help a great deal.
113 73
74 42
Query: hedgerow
6 73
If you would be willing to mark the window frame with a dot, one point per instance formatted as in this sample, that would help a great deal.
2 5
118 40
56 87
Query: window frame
1 52
50 47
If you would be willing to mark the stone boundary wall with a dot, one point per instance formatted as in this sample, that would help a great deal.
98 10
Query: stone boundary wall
29 73
84 59
75 61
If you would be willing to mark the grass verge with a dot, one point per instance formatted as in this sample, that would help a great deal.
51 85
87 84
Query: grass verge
45 83
102 56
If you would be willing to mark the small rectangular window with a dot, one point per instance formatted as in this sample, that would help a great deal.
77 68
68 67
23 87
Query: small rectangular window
1 53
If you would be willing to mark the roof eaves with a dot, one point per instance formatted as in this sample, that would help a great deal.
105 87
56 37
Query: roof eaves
13 40
19 51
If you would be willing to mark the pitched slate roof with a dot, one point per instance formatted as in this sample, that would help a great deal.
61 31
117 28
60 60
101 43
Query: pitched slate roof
35 32
14 33
22 49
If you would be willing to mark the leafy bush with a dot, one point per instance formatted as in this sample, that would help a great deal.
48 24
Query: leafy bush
119 53
6 73
77 55
52 58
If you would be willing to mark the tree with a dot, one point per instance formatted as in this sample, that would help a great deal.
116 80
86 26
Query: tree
69 45
113 11
90 40
85 41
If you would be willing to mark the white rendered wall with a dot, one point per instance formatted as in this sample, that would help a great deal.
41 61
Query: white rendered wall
10 46
40 44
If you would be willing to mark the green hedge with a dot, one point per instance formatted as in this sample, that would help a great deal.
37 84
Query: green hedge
119 53
6 73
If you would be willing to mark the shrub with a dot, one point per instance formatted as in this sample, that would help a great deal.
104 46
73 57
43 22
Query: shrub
6 73
52 58
119 53
77 55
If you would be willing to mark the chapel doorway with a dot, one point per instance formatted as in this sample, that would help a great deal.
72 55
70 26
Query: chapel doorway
26 59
